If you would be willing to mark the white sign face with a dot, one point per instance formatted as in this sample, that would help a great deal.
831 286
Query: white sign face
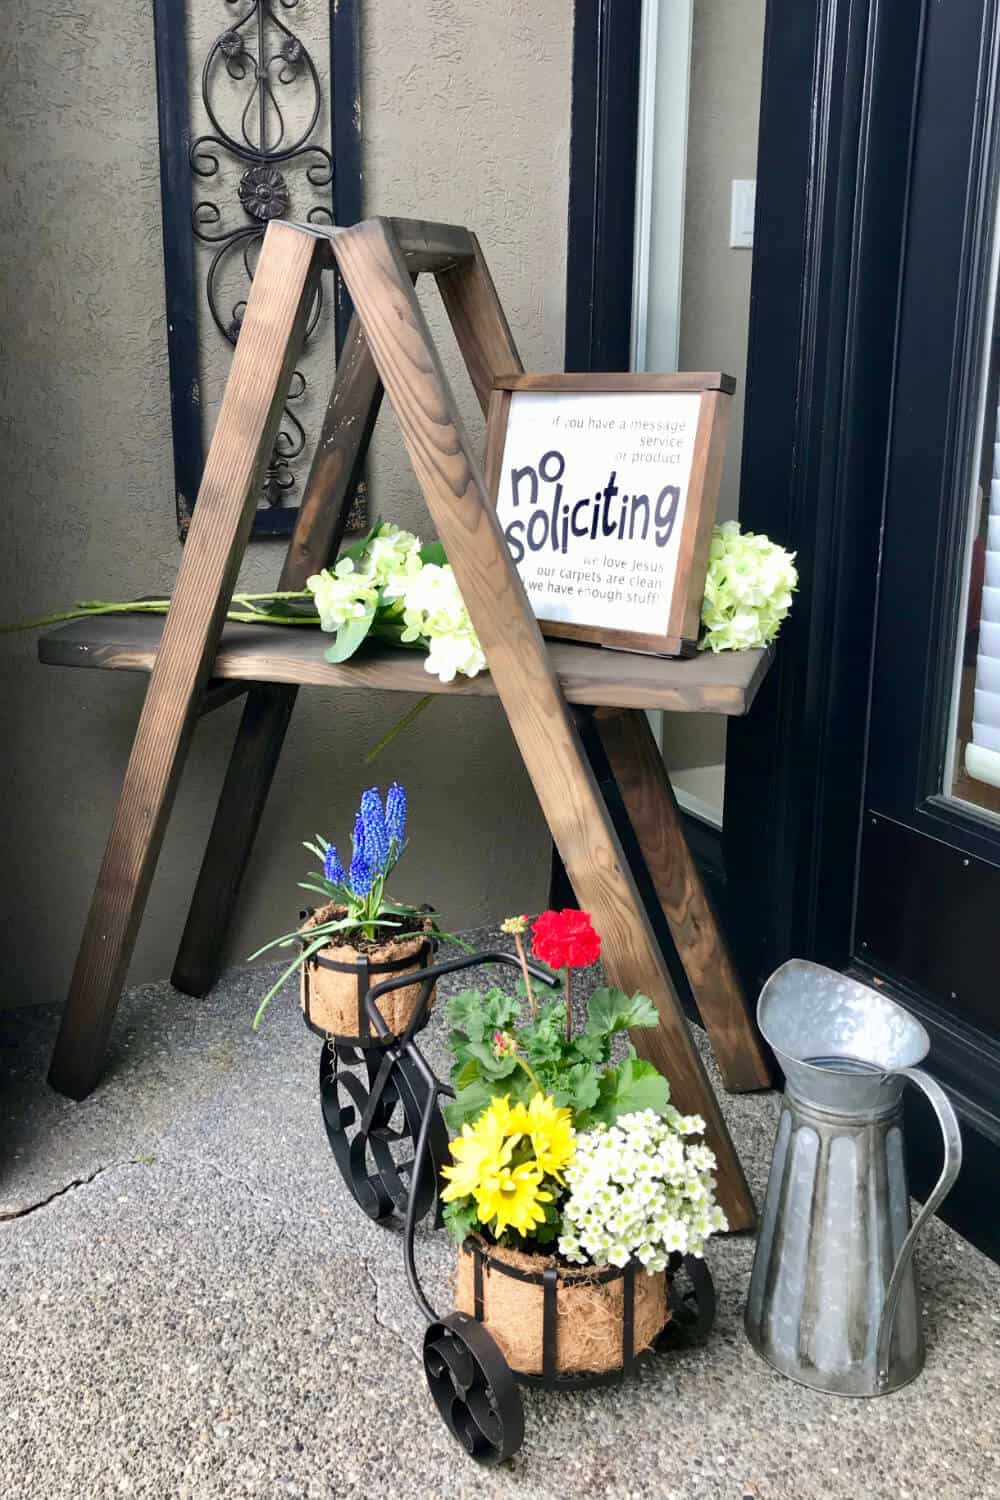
592 495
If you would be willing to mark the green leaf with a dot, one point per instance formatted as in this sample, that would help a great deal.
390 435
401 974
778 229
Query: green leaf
593 1047
349 637
633 1085
465 1074
433 552
550 1227
490 1066
461 1217
468 1104
611 1010
577 1088
465 1013
500 1010
357 550
327 890
544 1039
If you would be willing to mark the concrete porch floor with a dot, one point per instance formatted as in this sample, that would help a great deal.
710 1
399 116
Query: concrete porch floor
192 1306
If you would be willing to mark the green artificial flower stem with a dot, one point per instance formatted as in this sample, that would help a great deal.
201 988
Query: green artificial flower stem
399 726
87 607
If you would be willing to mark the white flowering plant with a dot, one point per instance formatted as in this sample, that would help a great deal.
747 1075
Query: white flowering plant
641 1189
748 589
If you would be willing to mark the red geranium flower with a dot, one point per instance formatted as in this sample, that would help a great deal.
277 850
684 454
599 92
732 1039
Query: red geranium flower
564 939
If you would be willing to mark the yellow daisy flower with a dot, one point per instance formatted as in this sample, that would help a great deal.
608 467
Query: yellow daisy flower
551 1132
511 1198
482 1149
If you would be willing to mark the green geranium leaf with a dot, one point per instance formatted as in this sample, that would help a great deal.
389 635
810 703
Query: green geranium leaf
611 1010
464 1072
633 1085
433 552
544 1039
468 1104
593 1047
465 1013
490 1066
500 1009
349 637
479 1015
470 1101
577 1088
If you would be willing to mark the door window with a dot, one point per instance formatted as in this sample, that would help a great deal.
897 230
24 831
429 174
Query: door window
972 752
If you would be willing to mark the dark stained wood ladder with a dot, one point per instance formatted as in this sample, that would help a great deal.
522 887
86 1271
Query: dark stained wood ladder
196 660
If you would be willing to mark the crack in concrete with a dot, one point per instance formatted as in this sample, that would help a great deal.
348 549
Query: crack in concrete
8 1215
377 1292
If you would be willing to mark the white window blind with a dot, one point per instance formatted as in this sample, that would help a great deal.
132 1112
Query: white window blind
982 753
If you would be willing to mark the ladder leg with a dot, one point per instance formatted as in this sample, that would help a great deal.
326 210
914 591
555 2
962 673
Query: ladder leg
652 809
269 344
251 769
336 470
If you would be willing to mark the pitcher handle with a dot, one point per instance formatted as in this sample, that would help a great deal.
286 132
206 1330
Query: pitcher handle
941 1105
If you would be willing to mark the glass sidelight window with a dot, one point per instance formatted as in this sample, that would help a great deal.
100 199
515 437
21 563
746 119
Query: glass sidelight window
700 83
972 754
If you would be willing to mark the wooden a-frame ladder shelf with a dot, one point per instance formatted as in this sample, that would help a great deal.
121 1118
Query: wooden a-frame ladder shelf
197 661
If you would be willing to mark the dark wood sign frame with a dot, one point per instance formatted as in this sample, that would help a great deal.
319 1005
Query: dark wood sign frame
680 637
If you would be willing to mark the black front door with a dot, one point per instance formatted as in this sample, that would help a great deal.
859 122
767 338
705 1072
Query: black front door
928 902
863 793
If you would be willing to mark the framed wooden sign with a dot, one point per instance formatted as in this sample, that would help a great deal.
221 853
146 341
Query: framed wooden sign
606 487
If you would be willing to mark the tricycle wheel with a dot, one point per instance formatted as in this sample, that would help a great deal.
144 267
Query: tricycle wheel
691 1292
372 1109
473 1388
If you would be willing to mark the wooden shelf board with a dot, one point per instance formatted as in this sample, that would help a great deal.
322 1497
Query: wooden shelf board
724 684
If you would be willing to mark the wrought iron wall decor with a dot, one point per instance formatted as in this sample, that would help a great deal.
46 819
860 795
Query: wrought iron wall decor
257 152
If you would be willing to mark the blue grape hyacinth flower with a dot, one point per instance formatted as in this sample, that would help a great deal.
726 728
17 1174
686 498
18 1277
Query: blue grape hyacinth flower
360 874
375 837
395 815
333 867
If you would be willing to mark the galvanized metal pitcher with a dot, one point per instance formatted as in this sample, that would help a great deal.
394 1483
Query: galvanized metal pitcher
833 1297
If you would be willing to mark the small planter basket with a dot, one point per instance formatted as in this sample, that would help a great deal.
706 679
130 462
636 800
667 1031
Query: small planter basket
333 989
519 1318
557 1326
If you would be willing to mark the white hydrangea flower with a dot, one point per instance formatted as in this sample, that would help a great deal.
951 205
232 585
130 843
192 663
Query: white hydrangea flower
341 593
392 557
434 610
748 589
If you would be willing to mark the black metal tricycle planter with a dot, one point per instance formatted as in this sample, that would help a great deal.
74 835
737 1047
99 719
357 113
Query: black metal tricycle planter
380 1102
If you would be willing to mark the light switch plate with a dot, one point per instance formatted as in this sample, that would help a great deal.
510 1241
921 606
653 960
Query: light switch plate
741 213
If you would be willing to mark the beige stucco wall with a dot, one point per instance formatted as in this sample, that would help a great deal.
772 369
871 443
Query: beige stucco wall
466 118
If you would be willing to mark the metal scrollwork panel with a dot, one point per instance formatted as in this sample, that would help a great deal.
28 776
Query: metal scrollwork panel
252 130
